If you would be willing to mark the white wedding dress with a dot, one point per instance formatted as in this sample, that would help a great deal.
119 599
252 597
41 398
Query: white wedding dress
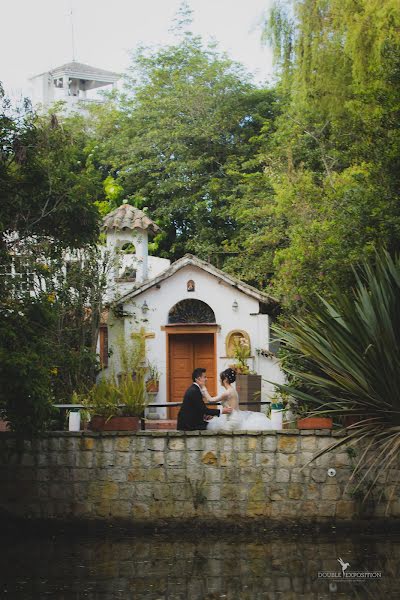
238 420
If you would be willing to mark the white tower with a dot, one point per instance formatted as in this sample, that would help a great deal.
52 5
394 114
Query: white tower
128 226
70 82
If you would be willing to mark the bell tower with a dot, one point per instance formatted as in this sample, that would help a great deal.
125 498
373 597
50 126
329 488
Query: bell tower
128 227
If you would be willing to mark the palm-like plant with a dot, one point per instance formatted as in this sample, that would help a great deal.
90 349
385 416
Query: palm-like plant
350 355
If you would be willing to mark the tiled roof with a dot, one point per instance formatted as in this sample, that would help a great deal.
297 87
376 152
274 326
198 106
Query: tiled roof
194 261
82 70
129 217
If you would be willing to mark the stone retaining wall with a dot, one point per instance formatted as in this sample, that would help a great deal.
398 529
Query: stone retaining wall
150 476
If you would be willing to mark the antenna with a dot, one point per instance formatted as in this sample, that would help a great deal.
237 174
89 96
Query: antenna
72 32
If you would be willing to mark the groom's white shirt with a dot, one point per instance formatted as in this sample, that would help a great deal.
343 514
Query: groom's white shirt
220 409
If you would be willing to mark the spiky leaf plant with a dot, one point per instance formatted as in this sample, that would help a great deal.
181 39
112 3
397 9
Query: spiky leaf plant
349 352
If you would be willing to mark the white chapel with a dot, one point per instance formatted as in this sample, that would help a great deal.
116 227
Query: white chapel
191 311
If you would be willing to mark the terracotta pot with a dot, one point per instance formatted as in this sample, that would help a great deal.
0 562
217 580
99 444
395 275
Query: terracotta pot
152 385
115 424
315 423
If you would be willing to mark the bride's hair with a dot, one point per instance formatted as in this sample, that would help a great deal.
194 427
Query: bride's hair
228 374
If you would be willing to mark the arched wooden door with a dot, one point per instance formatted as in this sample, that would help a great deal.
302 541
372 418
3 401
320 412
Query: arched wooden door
186 351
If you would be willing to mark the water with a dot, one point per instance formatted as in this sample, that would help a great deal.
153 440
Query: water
196 566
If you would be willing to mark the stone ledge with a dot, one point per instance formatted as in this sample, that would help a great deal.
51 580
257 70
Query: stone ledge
7 435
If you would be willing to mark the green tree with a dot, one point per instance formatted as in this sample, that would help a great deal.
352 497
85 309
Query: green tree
48 188
181 140
334 158
348 363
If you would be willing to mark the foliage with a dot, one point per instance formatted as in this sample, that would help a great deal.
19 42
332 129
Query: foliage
241 351
132 377
26 367
125 393
104 398
333 160
351 354
153 373
47 188
46 177
182 140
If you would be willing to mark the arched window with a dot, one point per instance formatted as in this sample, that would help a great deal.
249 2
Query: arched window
191 311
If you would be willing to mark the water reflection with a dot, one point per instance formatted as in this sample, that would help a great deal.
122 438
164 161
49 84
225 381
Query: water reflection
158 567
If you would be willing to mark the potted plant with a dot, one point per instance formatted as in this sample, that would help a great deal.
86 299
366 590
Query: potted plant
248 383
309 419
153 379
119 403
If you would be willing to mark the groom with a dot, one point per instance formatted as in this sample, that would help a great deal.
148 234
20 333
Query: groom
193 411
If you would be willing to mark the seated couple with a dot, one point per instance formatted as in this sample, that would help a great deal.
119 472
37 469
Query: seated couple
194 414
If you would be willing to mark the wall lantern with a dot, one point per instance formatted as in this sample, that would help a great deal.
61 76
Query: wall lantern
145 307
235 305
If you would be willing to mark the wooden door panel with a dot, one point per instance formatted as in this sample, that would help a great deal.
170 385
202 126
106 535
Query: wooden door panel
186 352
204 356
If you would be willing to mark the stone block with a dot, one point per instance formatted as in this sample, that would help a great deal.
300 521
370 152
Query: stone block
156 474
226 459
107 444
257 493
277 493
295 491
269 443
105 459
285 509
253 444
136 474
319 475
268 475
308 444
212 474
127 491
158 444
102 509
194 443
297 475
85 460
122 444
210 444
287 443
312 491
245 459
140 510
341 459
87 443
176 444
118 474
177 475
264 459
326 508
286 461
175 458
158 458
331 492
212 492
282 476
258 509
122 459
144 490
209 458
226 444
324 442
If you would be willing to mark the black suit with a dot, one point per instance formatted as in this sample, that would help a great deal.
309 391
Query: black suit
193 409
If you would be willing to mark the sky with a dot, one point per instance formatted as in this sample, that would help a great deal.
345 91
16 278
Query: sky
36 34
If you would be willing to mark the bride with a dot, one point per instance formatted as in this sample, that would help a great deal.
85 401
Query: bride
238 419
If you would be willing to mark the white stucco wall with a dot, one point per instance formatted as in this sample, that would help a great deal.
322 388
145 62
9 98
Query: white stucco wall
219 296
